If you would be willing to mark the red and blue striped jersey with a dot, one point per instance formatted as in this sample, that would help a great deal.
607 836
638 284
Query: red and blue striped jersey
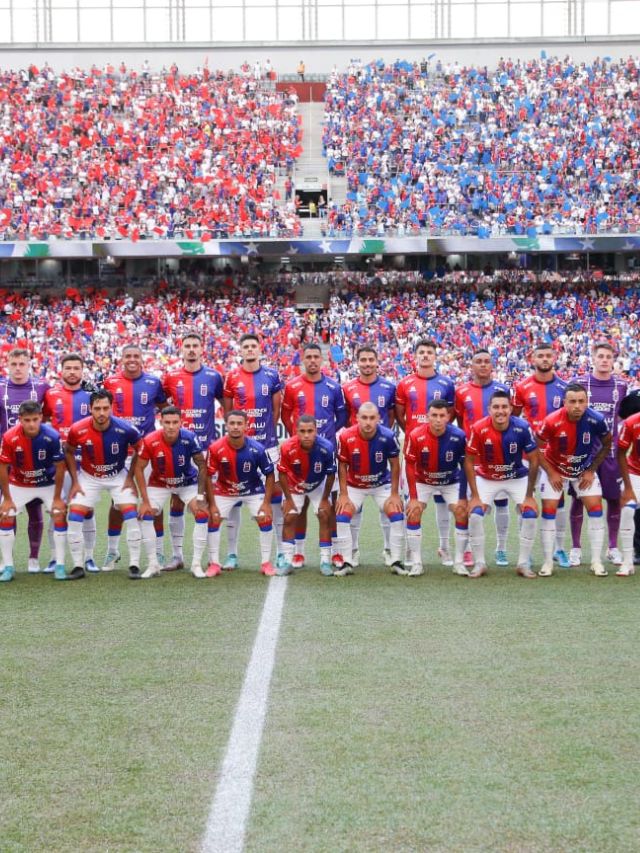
499 454
570 446
306 469
367 460
63 407
472 402
171 464
415 393
236 472
538 399
436 459
136 400
32 461
12 395
630 438
103 454
253 394
195 394
381 392
322 399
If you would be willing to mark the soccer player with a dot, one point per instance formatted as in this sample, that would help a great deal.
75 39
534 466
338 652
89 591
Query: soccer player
533 398
21 385
64 404
369 387
368 465
104 442
136 398
494 467
604 394
31 466
195 389
413 395
178 468
629 439
307 473
630 405
313 393
434 453
472 404
256 390
241 471
574 440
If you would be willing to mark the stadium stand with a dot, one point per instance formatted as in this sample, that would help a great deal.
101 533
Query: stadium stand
109 153
546 146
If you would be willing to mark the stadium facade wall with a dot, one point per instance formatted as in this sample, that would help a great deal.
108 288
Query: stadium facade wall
319 57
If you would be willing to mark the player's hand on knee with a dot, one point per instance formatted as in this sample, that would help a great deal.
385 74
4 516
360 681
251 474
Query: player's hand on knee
288 507
393 505
345 506
476 503
414 511
586 481
264 513
628 496
145 509
7 507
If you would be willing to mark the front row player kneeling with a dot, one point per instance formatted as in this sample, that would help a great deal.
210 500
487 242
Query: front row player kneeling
495 468
235 464
433 456
307 473
368 464
178 468
574 440
31 466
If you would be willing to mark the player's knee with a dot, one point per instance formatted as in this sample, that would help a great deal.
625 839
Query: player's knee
201 516
324 514
413 526
477 511
529 512
344 517
549 512
395 516
460 516
594 511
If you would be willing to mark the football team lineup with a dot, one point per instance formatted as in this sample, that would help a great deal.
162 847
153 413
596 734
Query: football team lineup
473 449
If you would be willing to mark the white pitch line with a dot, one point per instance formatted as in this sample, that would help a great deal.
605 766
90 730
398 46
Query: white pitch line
227 822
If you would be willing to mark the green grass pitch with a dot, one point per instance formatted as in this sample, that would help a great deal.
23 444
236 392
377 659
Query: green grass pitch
427 714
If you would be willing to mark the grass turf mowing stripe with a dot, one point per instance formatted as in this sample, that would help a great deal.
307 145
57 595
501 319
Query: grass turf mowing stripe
230 808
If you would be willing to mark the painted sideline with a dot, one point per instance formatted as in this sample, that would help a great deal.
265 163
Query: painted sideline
227 822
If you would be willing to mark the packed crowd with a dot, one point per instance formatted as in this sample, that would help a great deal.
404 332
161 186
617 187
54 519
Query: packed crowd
115 153
506 311
538 147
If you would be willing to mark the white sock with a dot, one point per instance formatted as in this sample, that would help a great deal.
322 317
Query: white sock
397 538
527 536
113 543
266 539
233 530
561 527
199 540
356 524
134 540
461 538
176 530
443 521
7 540
213 544
595 529
278 520
548 536
89 533
502 526
342 542
288 547
414 543
301 541
149 539
386 530
626 533
76 542
476 538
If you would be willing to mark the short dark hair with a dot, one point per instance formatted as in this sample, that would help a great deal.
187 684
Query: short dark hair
542 345
249 336
195 335
311 346
131 346
71 356
19 352
499 395
30 407
366 348
603 345
438 404
426 342
171 410
100 394
481 351
576 387
306 419
238 413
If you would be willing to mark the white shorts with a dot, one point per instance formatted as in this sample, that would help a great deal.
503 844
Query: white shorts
225 503
314 496
635 485
489 490
158 496
547 493
449 493
378 493
22 495
273 454
93 487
